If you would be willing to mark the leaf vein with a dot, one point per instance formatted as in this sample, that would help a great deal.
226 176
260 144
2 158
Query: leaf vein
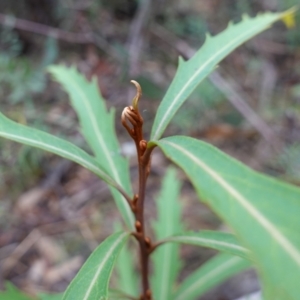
269 227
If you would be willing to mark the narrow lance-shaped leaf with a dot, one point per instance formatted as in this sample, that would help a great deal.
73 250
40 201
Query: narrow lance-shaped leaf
220 241
210 274
190 73
263 212
166 258
42 140
97 125
127 280
92 281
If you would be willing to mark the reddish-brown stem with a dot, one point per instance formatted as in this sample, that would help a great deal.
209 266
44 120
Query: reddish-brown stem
140 217
131 115
154 246
144 257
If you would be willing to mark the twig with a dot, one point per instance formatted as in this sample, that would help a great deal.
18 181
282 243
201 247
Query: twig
90 37
10 21
20 250
231 91
270 47
83 5
88 235
269 76
135 35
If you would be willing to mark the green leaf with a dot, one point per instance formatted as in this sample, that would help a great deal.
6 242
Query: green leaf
51 296
97 125
118 295
220 241
96 122
127 280
190 73
166 258
213 272
42 140
12 293
263 212
92 280
124 209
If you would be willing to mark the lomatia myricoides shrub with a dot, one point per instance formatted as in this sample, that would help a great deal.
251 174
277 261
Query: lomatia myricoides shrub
262 212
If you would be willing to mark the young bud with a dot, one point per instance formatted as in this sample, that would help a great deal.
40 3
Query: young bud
143 145
138 95
148 294
148 241
138 226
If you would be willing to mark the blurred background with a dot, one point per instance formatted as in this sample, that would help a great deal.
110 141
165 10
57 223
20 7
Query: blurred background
53 213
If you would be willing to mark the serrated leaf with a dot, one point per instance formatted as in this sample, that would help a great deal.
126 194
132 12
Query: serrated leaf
220 241
263 212
166 258
97 125
13 293
210 274
190 73
42 140
91 282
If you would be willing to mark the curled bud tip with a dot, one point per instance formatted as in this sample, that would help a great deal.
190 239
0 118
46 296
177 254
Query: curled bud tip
138 95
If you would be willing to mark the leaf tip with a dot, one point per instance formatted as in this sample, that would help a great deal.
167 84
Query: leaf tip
54 69
288 17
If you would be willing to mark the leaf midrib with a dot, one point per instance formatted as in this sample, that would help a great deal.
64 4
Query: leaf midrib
106 257
192 239
185 87
265 223
49 146
112 166
98 133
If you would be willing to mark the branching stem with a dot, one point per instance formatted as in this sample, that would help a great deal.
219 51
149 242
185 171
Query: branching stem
133 122
125 195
